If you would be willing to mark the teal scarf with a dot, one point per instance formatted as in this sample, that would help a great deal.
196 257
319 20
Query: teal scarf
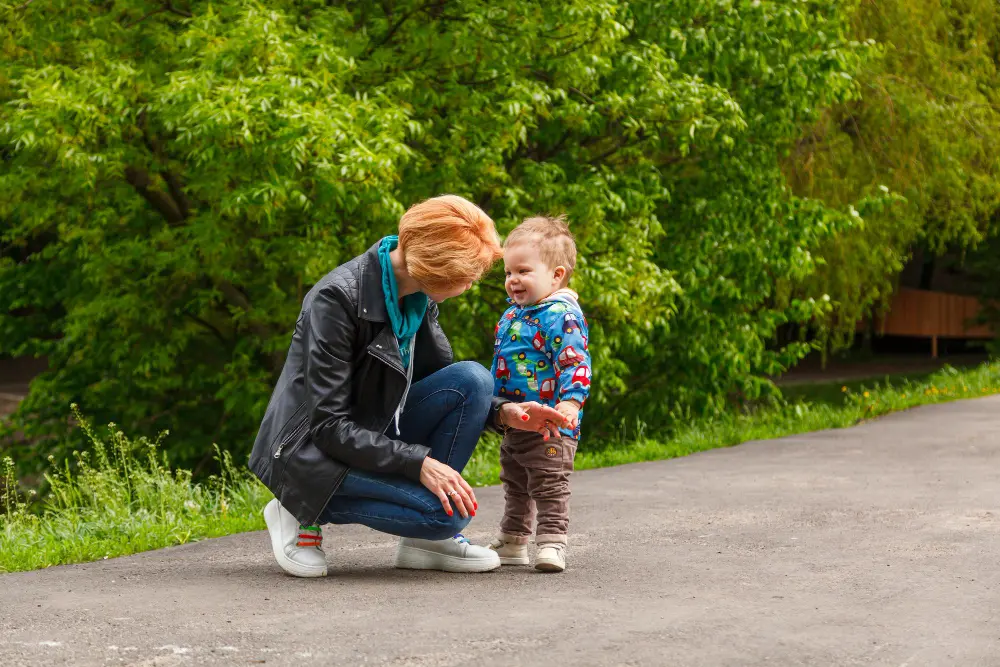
405 321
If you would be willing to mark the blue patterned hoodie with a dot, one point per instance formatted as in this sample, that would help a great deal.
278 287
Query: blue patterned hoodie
540 353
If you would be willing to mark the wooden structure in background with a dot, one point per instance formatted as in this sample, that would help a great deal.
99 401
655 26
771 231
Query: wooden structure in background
925 314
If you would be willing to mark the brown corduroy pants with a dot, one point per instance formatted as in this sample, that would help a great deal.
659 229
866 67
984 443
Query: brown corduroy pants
535 476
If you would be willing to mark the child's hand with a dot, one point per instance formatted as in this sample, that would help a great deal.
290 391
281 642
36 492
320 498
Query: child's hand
571 411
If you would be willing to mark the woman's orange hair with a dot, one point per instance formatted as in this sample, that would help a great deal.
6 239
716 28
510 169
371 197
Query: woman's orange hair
448 241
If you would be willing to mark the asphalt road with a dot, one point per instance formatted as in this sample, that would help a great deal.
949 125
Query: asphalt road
870 546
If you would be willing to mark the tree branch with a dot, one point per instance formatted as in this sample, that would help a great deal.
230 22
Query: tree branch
236 298
208 325
180 12
177 192
173 181
161 201
168 7
398 24
138 21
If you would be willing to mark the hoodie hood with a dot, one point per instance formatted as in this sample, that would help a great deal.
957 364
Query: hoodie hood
564 295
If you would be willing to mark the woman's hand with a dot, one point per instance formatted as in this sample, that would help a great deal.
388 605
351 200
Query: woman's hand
448 485
533 416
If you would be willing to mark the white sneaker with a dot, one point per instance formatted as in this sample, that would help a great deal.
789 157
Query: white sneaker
451 555
551 557
298 549
510 552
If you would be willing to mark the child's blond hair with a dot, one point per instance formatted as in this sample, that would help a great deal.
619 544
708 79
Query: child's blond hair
555 242
447 241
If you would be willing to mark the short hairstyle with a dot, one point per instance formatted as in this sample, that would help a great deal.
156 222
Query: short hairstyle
555 242
447 241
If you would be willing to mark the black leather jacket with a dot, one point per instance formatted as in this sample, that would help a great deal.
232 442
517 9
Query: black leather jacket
339 389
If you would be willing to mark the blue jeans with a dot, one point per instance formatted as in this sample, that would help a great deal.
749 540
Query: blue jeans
445 411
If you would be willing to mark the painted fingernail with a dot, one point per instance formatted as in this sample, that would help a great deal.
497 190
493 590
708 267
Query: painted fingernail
450 512
473 512
524 418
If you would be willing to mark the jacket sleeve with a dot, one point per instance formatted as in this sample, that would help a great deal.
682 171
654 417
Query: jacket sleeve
570 357
330 331
493 420
441 354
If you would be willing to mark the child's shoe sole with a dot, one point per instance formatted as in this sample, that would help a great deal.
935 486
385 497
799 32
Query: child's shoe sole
511 560
548 566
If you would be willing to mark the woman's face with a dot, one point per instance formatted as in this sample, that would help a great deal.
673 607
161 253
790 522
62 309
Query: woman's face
438 297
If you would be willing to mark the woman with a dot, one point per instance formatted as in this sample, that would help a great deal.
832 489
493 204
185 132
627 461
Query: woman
370 421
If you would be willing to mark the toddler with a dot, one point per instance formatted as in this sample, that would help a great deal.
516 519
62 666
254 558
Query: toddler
540 354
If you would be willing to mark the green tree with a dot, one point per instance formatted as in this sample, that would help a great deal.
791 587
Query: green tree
177 174
926 128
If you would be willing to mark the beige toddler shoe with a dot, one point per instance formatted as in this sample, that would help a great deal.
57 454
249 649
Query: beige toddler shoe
551 557
509 550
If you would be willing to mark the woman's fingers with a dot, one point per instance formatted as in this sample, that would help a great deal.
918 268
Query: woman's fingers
517 415
459 498
445 501
463 497
470 493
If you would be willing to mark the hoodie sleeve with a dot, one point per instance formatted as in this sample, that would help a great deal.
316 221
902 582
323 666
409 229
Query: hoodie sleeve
568 350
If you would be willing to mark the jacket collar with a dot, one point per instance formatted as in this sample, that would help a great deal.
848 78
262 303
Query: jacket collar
371 296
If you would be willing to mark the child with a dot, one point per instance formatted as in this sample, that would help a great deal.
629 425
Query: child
540 354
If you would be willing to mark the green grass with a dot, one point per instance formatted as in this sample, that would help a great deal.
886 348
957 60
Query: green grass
832 393
121 496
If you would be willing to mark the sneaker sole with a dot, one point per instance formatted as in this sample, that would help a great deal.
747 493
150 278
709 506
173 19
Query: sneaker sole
284 562
514 561
412 558
549 566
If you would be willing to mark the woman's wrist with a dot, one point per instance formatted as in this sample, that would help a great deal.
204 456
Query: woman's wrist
501 422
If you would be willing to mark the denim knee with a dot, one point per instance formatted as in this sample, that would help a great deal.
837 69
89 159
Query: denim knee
476 379
444 526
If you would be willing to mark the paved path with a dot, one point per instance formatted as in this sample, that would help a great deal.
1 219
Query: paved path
871 546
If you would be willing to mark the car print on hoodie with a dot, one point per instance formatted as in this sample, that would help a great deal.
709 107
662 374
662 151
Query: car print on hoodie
540 353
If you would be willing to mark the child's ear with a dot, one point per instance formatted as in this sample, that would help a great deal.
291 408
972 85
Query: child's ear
559 274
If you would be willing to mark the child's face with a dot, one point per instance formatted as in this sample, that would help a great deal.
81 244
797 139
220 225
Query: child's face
529 278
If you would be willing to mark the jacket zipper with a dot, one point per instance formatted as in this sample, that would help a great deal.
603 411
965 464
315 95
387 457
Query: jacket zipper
289 437
406 377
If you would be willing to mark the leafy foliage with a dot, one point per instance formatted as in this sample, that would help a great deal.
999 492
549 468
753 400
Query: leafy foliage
176 175
926 128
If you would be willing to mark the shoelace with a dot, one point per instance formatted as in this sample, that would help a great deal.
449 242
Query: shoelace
310 536
460 538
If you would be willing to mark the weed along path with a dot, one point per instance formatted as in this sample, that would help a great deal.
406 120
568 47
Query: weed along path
876 545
